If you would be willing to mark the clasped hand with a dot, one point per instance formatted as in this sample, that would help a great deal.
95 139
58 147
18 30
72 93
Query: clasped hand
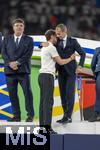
13 65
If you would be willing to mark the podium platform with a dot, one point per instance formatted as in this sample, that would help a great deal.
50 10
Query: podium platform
72 136
78 127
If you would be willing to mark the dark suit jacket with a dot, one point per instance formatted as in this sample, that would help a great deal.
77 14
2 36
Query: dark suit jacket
22 54
0 41
71 46
95 64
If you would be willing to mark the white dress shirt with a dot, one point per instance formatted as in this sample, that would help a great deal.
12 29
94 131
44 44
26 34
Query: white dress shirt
19 38
65 41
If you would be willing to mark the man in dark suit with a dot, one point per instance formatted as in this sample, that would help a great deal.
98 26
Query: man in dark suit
17 50
95 66
0 41
66 46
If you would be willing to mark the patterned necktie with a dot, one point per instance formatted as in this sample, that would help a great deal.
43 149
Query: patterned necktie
17 42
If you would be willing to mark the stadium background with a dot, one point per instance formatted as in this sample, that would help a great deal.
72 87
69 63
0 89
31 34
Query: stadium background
81 16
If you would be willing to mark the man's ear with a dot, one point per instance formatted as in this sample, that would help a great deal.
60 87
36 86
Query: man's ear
51 36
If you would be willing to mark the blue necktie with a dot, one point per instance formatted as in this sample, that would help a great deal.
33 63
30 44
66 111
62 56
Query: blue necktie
17 42
61 43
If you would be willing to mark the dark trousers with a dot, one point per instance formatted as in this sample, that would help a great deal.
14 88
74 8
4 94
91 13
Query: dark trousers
12 84
67 92
97 102
46 83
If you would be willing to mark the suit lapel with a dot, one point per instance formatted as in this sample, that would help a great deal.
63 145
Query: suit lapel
67 42
21 41
13 43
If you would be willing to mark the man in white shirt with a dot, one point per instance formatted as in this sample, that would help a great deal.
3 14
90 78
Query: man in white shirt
49 56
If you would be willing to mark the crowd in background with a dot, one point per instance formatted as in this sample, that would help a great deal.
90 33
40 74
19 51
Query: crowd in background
82 17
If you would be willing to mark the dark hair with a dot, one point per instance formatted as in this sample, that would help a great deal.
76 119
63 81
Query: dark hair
19 20
62 27
49 33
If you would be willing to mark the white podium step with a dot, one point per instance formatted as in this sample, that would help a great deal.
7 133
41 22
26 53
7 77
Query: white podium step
77 127
83 127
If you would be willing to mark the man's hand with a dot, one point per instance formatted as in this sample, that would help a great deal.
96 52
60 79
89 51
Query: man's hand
45 44
79 70
72 57
13 65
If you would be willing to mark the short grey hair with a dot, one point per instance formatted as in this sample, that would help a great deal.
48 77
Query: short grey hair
62 27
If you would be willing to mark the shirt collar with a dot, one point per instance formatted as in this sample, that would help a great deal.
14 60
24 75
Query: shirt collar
19 37
65 38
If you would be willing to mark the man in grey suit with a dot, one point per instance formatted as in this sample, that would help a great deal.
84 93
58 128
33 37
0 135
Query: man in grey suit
17 50
95 66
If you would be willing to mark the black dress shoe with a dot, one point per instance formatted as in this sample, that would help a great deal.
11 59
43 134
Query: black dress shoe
14 119
29 119
95 117
65 120
51 131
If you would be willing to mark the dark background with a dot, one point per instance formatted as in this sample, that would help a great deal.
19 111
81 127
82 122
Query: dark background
82 17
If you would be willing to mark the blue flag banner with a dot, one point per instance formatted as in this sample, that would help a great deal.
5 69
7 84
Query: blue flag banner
5 105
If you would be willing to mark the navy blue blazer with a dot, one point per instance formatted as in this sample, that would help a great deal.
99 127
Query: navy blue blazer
95 64
71 47
22 53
